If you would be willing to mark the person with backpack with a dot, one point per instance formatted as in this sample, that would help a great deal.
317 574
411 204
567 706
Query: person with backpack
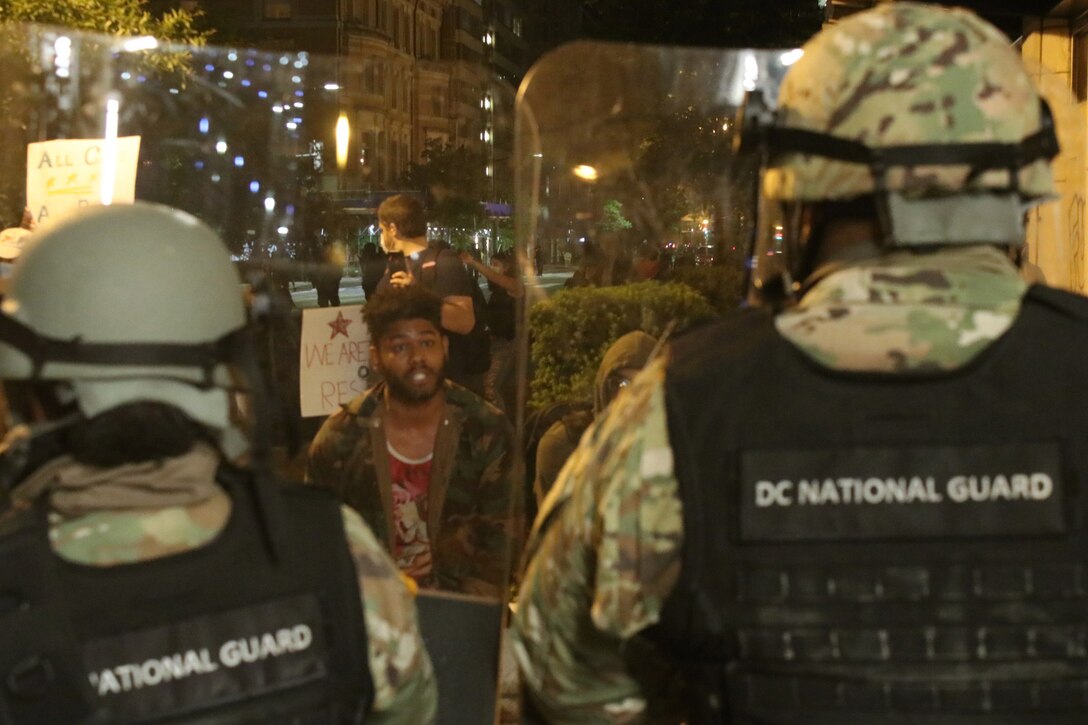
621 362
438 268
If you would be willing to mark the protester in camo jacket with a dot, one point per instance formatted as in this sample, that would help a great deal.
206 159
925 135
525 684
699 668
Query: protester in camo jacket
428 464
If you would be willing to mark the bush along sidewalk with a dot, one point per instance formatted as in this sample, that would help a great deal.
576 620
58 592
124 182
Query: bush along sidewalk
571 331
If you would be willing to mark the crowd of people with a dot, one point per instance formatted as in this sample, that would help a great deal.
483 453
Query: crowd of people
754 522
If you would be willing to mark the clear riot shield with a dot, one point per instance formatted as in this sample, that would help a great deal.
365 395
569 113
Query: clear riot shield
634 213
287 156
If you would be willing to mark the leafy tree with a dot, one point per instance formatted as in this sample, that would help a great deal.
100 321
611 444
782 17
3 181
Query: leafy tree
448 171
453 177
612 218
114 17
111 17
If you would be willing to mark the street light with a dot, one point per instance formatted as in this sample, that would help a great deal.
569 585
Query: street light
343 134
585 172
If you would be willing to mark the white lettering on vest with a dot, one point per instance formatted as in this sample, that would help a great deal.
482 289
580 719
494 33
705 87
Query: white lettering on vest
1036 486
177 666
1015 487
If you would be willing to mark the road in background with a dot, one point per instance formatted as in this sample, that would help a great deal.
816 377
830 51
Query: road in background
351 291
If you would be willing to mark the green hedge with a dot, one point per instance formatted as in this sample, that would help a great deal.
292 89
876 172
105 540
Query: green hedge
571 331
721 285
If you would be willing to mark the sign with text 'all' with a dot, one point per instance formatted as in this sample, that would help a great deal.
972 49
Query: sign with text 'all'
66 175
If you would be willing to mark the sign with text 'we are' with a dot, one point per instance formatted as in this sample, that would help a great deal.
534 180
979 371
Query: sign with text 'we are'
334 360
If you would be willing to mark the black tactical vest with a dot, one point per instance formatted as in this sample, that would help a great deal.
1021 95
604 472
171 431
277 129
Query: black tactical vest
262 625
883 548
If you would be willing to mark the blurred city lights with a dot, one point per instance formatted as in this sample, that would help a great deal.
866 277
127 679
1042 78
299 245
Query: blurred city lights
145 42
791 56
343 135
585 172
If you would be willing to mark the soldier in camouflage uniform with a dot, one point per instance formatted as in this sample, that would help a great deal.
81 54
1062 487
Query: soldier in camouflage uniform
178 583
450 511
821 511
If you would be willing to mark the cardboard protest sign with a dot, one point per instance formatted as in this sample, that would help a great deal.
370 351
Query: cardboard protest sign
67 175
334 361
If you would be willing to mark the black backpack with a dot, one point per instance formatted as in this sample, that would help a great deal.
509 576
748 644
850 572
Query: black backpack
470 353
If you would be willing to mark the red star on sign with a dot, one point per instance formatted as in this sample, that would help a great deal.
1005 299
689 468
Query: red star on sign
339 325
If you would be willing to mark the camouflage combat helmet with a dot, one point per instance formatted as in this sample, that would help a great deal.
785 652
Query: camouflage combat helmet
914 105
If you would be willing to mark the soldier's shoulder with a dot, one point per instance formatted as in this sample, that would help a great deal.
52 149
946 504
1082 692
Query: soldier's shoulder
711 343
1068 304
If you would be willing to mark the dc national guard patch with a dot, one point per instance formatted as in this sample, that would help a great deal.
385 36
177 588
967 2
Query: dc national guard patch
901 492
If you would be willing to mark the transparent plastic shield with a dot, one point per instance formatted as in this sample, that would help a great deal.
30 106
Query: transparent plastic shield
634 211
631 195
287 157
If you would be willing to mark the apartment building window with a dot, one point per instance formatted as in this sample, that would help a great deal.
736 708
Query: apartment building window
277 10
382 16
374 78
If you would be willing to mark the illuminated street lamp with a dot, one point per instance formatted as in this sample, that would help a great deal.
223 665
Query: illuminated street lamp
343 134
585 172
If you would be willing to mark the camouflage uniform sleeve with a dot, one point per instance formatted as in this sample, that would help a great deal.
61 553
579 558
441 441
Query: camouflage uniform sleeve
327 453
605 554
404 684
500 520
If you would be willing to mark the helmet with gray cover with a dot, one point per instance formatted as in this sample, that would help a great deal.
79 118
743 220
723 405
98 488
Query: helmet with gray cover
126 304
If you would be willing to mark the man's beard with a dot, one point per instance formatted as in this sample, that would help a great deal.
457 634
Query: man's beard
403 391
